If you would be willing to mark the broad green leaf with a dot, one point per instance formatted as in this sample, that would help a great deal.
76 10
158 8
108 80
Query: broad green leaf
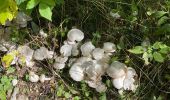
163 29
67 95
103 96
3 95
8 10
45 11
49 2
32 3
157 45
158 57
162 20
159 14
165 50
137 50
8 58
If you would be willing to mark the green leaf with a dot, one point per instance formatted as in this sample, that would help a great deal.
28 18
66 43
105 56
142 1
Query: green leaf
162 20
45 11
49 2
159 14
103 96
158 57
137 50
32 3
67 95
10 70
2 95
163 29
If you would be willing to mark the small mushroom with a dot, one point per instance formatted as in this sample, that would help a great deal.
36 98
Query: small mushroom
101 87
43 78
76 72
42 53
129 81
98 53
109 47
87 49
75 35
14 82
118 82
42 33
65 50
33 77
116 69
26 53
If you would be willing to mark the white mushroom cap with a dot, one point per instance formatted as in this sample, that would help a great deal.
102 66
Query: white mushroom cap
129 79
87 49
26 52
116 69
59 65
75 35
129 84
101 87
42 53
98 53
109 47
76 72
43 78
65 50
118 82
33 77
14 82
131 73
42 33
93 70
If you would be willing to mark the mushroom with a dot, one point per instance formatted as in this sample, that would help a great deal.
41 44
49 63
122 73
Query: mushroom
101 87
14 82
118 82
65 50
76 72
109 47
75 35
98 53
33 77
26 54
42 53
87 49
43 78
116 69
129 81
42 33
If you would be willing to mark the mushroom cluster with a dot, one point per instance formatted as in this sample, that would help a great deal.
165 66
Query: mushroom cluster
92 63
